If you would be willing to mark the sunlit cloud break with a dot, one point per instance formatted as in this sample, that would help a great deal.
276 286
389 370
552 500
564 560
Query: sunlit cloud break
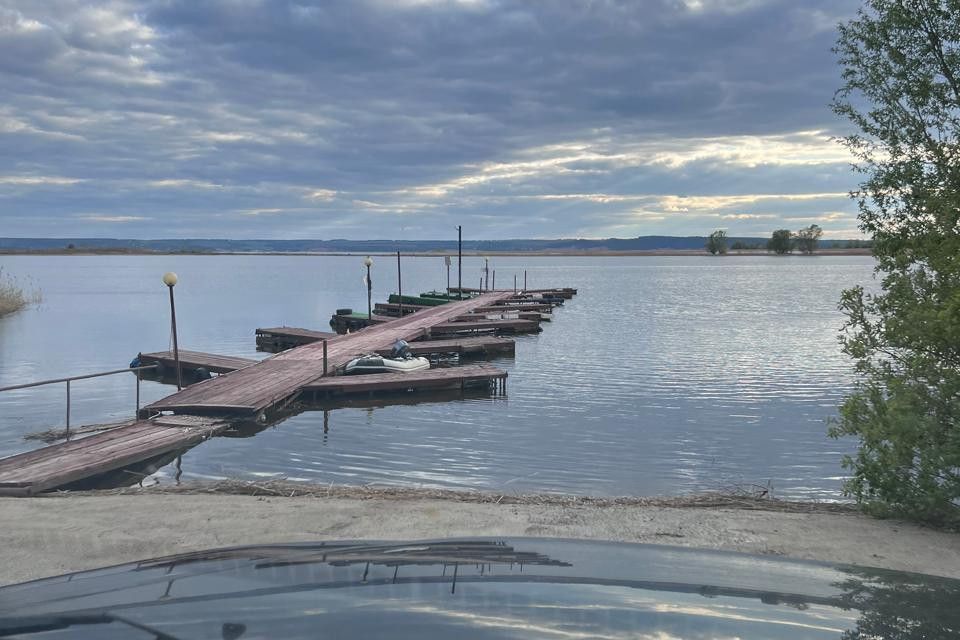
365 118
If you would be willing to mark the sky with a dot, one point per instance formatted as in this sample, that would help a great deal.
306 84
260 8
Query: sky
400 119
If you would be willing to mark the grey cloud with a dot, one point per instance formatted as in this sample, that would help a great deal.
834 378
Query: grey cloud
373 99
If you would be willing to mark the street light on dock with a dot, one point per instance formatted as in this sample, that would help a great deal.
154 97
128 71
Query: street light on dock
368 262
170 279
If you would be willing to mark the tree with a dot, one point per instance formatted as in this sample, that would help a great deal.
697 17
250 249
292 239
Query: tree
781 242
808 238
717 242
901 71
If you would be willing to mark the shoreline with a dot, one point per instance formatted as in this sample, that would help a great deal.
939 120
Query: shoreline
429 254
70 531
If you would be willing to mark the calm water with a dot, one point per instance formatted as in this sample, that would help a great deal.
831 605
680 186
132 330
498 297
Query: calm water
665 375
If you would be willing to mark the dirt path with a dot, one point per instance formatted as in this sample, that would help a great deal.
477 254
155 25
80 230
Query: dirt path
52 535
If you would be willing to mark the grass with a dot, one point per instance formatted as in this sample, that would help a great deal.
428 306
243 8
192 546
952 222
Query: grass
13 297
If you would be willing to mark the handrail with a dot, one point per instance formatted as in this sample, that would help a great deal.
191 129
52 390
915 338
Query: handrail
69 379
83 377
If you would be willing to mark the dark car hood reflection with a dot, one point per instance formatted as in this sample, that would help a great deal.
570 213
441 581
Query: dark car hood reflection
481 588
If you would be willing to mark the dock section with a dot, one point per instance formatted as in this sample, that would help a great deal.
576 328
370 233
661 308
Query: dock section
193 360
428 379
61 464
276 339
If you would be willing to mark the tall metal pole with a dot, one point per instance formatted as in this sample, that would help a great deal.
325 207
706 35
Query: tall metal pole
486 270
459 261
176 348
369 295
399 285
494 279
514 284
68 410
524 279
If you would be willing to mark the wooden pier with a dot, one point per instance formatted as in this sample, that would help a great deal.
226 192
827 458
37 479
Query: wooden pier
254 392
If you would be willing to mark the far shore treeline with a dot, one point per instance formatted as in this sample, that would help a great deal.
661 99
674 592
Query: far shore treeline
197 245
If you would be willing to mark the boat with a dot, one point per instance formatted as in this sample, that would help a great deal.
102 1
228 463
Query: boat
374 363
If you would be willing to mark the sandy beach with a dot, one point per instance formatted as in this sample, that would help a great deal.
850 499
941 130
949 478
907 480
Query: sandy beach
60 533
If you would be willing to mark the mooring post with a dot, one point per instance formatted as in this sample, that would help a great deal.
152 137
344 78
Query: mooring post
459 262
68 410
524 279
137 412
446 261
399 285
514 284
494 288
324 356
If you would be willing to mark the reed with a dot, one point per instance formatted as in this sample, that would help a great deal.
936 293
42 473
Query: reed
13 297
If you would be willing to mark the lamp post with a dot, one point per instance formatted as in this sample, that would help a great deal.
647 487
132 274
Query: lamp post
170 279
368 262
486 270
459 262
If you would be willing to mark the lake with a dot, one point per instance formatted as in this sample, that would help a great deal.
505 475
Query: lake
665 375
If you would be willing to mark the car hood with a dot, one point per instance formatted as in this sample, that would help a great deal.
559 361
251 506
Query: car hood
481 588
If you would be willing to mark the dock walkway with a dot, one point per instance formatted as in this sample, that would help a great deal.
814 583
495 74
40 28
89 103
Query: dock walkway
58 465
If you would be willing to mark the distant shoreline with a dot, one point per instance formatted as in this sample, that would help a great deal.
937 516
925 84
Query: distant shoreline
591 253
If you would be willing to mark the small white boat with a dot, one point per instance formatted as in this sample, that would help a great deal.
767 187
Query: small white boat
378 364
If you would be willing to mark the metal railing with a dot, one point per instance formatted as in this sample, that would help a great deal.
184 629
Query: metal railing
70 379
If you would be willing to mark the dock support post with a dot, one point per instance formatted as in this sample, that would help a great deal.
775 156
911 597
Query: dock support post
459 262
324 356
446 261
494 288
68 410
514 284
136 414
524 279
399 285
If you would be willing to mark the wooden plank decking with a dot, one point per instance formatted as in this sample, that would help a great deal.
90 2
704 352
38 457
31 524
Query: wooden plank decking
42 469
432 379
195 360
270 382
280 338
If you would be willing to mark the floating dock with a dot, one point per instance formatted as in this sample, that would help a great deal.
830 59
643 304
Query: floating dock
191 361
282 338
426 380
254 392
70 462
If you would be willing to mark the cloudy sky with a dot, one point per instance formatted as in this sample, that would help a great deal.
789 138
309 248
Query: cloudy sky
403 118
